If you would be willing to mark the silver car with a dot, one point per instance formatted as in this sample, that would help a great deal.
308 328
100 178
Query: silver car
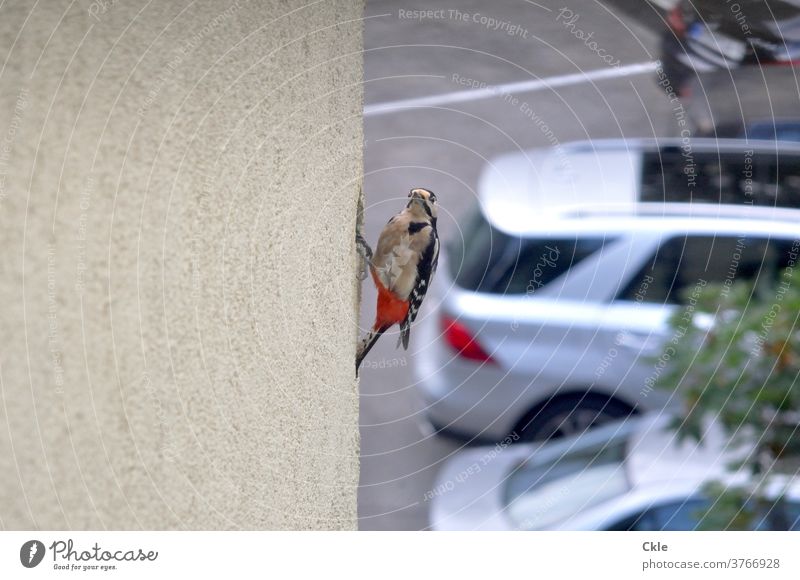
554 304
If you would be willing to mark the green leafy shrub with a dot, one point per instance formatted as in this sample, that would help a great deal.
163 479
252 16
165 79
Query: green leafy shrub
735 358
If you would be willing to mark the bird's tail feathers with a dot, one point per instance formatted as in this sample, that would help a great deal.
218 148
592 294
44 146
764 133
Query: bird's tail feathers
405 333
367 344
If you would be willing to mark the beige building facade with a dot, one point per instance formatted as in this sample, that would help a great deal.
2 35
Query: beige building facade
179 184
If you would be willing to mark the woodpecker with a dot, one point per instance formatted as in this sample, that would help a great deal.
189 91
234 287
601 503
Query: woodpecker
402 267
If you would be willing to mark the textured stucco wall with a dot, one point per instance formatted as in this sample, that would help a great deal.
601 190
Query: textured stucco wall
178 192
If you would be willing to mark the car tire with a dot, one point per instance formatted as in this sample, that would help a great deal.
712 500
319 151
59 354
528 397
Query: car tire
570 415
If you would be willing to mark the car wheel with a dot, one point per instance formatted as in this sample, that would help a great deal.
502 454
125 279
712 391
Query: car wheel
570 415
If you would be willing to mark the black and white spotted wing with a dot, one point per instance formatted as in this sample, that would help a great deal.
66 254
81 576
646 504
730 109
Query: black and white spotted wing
425 271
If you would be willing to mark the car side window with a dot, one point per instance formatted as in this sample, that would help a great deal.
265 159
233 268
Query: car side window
788 520
640 522
780 185
683 263
686 515
670 517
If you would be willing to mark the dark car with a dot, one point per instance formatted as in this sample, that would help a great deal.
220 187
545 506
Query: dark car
749 102
776 130
708 35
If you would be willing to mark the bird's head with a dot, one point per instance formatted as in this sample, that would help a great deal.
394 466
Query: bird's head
425 200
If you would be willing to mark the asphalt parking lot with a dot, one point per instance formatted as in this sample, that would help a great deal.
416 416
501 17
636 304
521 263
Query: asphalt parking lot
567 70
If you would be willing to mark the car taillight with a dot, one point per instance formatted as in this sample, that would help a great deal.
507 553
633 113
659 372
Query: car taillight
461 340
676 21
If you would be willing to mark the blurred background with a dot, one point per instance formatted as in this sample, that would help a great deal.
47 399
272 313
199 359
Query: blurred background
611 175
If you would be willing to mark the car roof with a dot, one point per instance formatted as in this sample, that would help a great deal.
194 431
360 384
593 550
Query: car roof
663 220
521 190
653 450
656 454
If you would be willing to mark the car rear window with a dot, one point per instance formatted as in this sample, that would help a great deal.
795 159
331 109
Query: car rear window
756 178
491 261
